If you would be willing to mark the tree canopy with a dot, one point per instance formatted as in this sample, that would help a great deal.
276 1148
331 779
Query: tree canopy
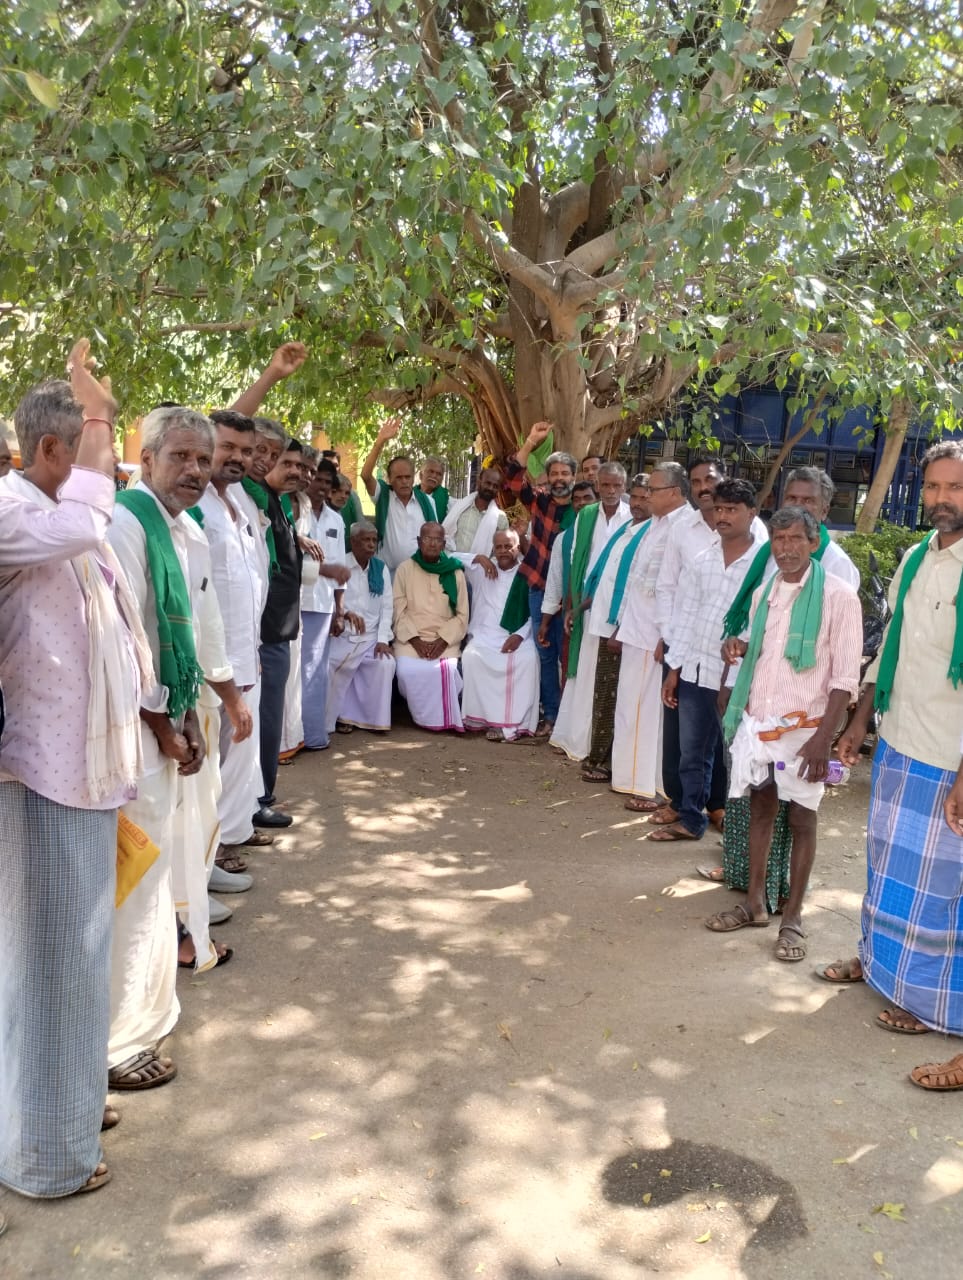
560 209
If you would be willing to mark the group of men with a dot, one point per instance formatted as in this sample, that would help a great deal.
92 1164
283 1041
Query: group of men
160 653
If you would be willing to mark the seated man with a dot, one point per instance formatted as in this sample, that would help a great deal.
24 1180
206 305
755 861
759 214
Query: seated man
361 667
430 621
500 664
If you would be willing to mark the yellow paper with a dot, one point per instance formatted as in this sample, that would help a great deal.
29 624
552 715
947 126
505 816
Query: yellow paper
136 854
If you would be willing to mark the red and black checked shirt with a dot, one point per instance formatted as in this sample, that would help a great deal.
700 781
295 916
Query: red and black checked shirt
546 516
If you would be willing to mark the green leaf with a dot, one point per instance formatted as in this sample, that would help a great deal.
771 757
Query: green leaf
44 90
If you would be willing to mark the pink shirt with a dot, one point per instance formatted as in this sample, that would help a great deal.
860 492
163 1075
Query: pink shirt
777 689
44 642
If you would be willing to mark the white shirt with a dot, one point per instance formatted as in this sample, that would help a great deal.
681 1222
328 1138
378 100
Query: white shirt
402 527
552 599
709 590
604 528
327 529
488 599
598 619
639 625
376 610
237 575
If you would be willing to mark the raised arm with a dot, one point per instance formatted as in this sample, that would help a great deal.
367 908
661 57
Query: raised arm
388 432
287 359
516 468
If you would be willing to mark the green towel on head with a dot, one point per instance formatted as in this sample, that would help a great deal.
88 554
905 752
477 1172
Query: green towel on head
177 663
800 651
445 567
886 674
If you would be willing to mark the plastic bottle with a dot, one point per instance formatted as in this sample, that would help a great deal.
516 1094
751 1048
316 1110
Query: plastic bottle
836 774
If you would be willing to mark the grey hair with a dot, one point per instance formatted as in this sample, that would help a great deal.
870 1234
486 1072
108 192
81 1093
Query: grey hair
945 449
343 480
676 474
311 455
614 469
159 423
640 481
813 475
361 526
48 409
439 462
565 459
272 430
786 517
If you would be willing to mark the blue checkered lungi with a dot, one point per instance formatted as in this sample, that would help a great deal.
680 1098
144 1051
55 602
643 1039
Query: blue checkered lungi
57 871
912 918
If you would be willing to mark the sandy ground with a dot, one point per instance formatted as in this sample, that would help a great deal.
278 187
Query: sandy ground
475 1027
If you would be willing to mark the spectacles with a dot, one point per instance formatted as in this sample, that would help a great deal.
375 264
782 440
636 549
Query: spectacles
661 488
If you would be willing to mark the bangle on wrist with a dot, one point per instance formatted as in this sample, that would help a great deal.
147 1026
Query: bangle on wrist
104 421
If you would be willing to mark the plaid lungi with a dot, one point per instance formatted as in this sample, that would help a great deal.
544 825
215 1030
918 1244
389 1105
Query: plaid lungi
57 869
912 919
603 706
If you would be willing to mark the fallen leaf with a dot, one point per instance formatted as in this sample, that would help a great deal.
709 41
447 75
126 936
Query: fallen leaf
355 1199
837 1102
647 1198
505 1031
76 1253
878 1258
706 1236
665 1173
635 1164
892 1211
914 1133
635 1066
696 1207
513 802
315 1136
606 1033
841 1160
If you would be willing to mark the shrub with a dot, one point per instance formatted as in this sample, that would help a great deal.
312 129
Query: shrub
888 544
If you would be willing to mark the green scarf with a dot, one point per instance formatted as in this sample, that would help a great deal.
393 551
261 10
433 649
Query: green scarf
350 513
737 619
376 576
381 508
886 676
178 668
516 612
440 498
445 567
258 495
800 650
622 574
584 532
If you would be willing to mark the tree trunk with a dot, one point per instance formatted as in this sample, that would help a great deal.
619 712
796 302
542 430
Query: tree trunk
896 428
809 418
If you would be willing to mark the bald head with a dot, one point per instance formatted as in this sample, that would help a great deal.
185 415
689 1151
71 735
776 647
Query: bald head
431 541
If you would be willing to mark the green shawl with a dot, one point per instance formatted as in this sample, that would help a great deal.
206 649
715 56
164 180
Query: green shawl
350 513
258 495
440 498
178 667
800 650
737 619
516 612
887 663
622 574
445 567
584 531
381 508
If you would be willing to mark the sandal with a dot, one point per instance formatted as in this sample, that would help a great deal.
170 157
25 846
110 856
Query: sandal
494 735
736 918
674 831
99 1178
137 1072
596 775
715 874
255 838
223 955
904 1030
663 816
790 952
227 861
544 730
940 1077
639 804
342 727
846 970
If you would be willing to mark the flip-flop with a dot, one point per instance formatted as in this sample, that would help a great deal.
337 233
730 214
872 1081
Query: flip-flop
715 874
672 831
639 804
222 958
737 917
783 945
845 967
954 1066
118 1077
99 1178
255 838
901 1031
596 775
663 817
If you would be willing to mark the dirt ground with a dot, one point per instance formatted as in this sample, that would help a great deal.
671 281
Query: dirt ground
474 1027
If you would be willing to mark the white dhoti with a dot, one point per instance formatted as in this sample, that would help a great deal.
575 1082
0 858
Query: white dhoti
431 688
359 684
754 763
196 834
143 995
241 781
501 689
637 743
292 730
573 725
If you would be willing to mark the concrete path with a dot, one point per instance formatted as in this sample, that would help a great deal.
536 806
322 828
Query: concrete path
475 1028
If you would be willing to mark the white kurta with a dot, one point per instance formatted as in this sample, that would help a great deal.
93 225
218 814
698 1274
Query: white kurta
470 532
292 730
359 681
501 689
573 727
